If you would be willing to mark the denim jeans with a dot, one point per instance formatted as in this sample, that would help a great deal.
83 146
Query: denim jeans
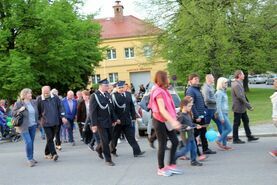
226 129
190 146
70 130
29 138
210 116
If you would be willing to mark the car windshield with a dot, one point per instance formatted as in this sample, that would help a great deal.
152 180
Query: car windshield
176 100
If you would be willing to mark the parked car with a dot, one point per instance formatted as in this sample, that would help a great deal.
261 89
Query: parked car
145 113
231 78
257 79
270 79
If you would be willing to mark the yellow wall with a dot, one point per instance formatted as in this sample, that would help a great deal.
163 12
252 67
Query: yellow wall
124 66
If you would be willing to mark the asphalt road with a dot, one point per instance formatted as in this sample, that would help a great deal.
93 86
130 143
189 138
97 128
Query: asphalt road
248 164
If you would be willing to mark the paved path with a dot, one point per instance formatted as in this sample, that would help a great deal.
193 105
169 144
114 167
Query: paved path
248 164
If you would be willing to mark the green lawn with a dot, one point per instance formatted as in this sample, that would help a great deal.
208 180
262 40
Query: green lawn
259 99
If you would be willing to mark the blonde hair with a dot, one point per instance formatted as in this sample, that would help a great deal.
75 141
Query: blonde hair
220 83
24 92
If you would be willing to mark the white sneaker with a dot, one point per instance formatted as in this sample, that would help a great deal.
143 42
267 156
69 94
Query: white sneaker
174 170
164 172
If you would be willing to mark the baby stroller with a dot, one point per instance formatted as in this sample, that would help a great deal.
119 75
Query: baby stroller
8 131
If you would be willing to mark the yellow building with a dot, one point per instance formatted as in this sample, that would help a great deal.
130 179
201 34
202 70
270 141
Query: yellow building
130 55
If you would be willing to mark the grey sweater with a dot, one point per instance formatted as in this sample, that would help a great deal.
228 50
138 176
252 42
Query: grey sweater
26 122
208 94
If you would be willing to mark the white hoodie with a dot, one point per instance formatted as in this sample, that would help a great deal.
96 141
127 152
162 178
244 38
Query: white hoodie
273 98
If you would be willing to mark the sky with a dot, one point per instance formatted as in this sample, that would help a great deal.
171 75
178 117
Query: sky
104 7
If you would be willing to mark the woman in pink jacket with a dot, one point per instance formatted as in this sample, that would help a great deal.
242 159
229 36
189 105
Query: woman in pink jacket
164 123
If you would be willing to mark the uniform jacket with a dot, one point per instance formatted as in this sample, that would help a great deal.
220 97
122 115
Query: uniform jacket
127 115
99 117
240 102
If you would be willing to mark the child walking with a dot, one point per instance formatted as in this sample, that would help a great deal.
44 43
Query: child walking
185 118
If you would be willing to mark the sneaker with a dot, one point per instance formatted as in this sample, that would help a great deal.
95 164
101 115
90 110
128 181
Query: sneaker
273 153
164 172
59 147
31 163
34 161
91 147
55 157
174 170
48 156
209 151
196 163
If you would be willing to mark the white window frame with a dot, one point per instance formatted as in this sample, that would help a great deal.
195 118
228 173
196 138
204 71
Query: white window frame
95 78
129 52
111 54
113 77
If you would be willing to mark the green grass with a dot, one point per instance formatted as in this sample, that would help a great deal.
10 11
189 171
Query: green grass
259 99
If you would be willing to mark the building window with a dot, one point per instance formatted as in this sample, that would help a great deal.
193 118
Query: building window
147 50
129 52
95 78
111 54
113 77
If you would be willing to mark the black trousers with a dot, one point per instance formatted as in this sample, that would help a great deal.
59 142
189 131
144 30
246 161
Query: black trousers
105 135
58 135
81 128
245 120
162 134
50 133
129 134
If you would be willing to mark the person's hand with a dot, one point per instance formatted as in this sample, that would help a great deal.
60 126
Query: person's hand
22 108
222 121
189 128
176 125
93 129
198 126
251 108
118 121
198 120
64 120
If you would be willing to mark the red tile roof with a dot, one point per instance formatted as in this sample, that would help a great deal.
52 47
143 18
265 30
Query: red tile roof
129 27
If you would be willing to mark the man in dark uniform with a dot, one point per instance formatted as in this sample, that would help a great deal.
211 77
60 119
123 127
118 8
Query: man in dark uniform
102 117
125 110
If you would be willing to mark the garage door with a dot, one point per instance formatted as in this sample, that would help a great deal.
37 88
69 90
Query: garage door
140 78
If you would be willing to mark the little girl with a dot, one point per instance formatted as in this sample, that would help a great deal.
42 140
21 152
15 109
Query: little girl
185 118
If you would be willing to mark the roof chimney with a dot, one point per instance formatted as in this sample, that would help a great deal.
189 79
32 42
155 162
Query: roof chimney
118 11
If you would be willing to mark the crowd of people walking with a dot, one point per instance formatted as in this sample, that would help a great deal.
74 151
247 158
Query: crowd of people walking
106 114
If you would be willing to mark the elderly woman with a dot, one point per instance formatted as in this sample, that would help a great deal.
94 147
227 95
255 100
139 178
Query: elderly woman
29 110
222 110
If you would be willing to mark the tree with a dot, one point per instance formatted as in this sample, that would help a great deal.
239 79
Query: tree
217 37
46 43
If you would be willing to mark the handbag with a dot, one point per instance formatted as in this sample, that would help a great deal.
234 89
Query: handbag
17 120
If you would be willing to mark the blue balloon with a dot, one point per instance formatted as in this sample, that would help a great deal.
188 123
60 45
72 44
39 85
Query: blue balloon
211 135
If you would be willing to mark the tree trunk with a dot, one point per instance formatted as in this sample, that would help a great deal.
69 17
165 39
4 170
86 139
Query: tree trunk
245 81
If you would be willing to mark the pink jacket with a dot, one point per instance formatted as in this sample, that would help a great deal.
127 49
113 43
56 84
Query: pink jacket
168 101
